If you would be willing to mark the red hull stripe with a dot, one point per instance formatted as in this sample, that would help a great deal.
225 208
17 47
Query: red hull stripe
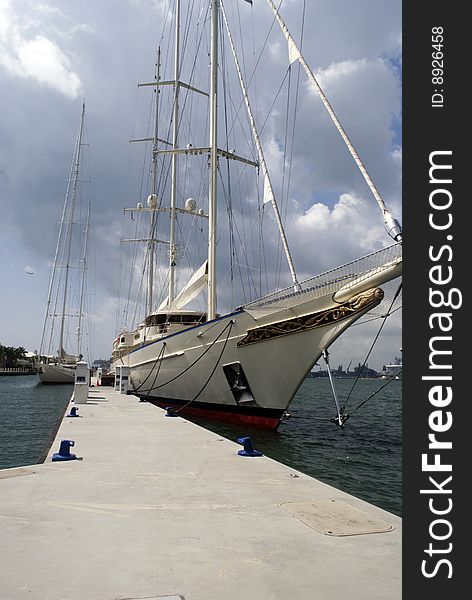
219 414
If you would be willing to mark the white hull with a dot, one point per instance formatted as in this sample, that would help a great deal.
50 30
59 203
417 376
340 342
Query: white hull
56 373
272 343
393 371
191 368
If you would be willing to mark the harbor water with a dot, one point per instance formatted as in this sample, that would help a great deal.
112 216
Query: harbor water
30 414
364 458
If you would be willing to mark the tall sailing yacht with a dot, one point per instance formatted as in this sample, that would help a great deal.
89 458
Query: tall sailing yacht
244 366
64 317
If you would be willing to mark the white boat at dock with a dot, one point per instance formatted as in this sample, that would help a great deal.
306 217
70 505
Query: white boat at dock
244 366
64 318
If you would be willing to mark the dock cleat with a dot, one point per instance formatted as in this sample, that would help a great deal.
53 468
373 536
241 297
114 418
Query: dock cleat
248 447
64 451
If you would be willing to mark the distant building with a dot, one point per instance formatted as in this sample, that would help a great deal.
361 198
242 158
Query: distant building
100 362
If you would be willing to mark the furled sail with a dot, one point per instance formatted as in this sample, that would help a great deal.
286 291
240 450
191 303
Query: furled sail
194 286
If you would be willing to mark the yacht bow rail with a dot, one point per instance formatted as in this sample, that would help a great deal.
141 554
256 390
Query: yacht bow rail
340 283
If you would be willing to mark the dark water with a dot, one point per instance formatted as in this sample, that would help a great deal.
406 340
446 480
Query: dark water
29 415
363 459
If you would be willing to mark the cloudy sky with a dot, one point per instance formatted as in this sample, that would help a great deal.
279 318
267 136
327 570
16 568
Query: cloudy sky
56 53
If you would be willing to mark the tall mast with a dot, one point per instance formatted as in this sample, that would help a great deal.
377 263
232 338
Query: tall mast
56 256
391 224
82 286
175 131
152 200
213 163
269 195
69 228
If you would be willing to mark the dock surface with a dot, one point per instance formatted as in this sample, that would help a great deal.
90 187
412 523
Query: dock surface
158 507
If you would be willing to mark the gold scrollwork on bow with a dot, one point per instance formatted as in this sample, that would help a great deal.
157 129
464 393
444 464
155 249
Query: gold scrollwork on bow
360 302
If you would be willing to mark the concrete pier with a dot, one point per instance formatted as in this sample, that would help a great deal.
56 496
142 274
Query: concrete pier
159 507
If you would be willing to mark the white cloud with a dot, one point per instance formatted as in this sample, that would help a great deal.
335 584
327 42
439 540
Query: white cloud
349 222
34 56
43 60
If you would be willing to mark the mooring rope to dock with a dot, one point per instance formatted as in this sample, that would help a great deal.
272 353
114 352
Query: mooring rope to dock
229 325
159 358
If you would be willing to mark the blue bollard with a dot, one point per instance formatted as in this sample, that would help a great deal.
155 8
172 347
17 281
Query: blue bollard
64 451
73 412
248 447
170 412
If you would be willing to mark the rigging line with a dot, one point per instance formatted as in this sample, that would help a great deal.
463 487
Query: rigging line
229 208
164 173
56 254
237 120
261 220
229 324
260 56
158 370
392 226
388 314
132 266
371 347
243 241
241 41
140 287
186 31
278 262
269 195
308 418
295 113
292 141
275 100
211 374
244 135
254 60
376 392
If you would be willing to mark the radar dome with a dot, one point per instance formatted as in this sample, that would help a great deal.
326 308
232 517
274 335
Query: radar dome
152 200
139 206
190 204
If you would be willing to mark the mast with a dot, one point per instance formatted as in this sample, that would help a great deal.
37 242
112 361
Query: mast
175 131
213 162
152 200
269 195
56 255
82 286
69 229
391 224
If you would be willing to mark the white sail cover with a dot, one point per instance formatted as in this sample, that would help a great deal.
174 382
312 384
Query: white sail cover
293 51
194 286
268 193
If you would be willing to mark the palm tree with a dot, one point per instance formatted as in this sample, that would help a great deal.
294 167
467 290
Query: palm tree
9 356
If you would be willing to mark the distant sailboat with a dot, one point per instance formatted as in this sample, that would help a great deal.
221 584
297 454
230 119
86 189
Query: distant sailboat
64 317
244 366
